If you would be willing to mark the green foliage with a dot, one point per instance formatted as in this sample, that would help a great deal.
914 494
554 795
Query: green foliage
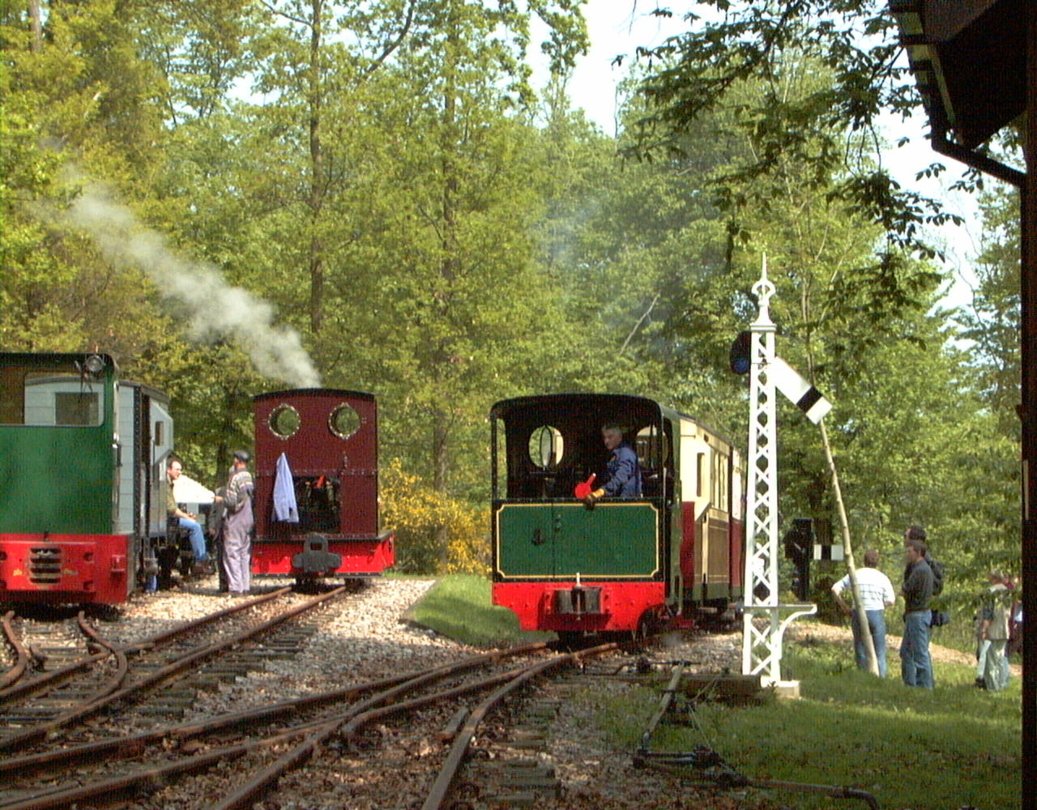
458 606
416 512
851 44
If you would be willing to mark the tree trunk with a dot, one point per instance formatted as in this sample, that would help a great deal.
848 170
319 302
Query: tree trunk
442 357
35 26
316 197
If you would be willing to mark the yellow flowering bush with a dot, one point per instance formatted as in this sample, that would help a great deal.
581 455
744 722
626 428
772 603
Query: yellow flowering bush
420 516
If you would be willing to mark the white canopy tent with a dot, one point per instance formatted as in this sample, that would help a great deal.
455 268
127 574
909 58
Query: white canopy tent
187 490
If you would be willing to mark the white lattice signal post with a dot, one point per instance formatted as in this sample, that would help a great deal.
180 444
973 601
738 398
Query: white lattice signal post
765 618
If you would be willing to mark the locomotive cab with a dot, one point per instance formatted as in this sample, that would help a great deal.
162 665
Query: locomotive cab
316 498
618 564
78 503
559 563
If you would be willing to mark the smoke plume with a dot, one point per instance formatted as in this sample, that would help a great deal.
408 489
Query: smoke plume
216 308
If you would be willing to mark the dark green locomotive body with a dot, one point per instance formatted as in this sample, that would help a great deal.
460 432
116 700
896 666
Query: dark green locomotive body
80 478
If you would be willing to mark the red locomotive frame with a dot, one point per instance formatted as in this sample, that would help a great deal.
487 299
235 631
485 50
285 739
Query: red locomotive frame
329 438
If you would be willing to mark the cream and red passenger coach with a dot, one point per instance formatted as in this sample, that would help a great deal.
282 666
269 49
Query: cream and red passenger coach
619 565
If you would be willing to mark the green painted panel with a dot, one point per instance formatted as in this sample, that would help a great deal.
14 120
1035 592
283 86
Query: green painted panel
56 479
559 540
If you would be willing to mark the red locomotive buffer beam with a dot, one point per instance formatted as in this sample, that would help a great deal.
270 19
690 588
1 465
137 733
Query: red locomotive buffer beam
63 568
591 606
318 449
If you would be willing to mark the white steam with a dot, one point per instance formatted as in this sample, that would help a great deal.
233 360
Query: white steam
216 308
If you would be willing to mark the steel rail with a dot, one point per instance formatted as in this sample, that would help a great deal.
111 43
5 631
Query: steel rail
157 641
183 629
347 726
722 774
126 747
662 708
155 777
122 665
25 688
459 750
21 661
43 730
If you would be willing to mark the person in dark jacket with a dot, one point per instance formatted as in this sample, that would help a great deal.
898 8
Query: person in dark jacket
622 474
916 666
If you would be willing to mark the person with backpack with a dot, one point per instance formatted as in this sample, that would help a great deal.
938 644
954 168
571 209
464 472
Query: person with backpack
916 666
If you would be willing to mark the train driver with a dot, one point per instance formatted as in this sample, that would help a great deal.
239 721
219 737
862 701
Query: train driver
622 473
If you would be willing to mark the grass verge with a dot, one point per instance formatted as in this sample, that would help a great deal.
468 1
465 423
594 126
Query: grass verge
458 606
912 749
953 747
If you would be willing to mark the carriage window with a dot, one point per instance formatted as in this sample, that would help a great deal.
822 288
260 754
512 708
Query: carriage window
284 421
647 441
546 447
700 473
344 421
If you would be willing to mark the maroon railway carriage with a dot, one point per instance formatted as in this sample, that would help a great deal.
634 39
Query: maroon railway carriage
329 442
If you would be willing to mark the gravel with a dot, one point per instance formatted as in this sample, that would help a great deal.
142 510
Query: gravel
363 637
359 637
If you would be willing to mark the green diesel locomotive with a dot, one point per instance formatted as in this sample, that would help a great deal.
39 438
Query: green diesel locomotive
82 498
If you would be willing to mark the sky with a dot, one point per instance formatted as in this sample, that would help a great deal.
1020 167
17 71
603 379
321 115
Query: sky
619 26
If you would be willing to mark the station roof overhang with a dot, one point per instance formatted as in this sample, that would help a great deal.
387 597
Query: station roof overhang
968 58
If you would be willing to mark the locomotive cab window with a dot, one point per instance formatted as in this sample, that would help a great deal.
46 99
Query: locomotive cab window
61 400
653 456
344 421
319 499
546 447
284 421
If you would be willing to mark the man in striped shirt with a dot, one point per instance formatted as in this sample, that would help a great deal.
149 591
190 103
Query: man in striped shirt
876 595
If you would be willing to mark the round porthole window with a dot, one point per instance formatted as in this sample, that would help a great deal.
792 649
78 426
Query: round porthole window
546 447
344 421
284 421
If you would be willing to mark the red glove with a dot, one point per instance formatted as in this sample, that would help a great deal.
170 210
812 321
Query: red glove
583 489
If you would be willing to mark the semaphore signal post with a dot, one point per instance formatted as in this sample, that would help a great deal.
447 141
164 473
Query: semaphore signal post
765 618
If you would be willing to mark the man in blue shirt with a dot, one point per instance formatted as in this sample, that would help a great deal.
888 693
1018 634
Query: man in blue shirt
622 475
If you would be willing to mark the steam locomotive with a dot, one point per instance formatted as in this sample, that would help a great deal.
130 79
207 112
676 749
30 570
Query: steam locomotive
617 565
317 448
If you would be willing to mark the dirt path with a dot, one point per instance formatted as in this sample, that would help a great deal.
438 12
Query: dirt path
832 634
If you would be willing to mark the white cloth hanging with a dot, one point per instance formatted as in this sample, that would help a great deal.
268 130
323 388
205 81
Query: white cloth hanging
285 507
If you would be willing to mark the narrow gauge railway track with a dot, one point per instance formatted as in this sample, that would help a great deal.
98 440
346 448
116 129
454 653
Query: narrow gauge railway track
245 754
508 763
20 662
60 646
106 682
